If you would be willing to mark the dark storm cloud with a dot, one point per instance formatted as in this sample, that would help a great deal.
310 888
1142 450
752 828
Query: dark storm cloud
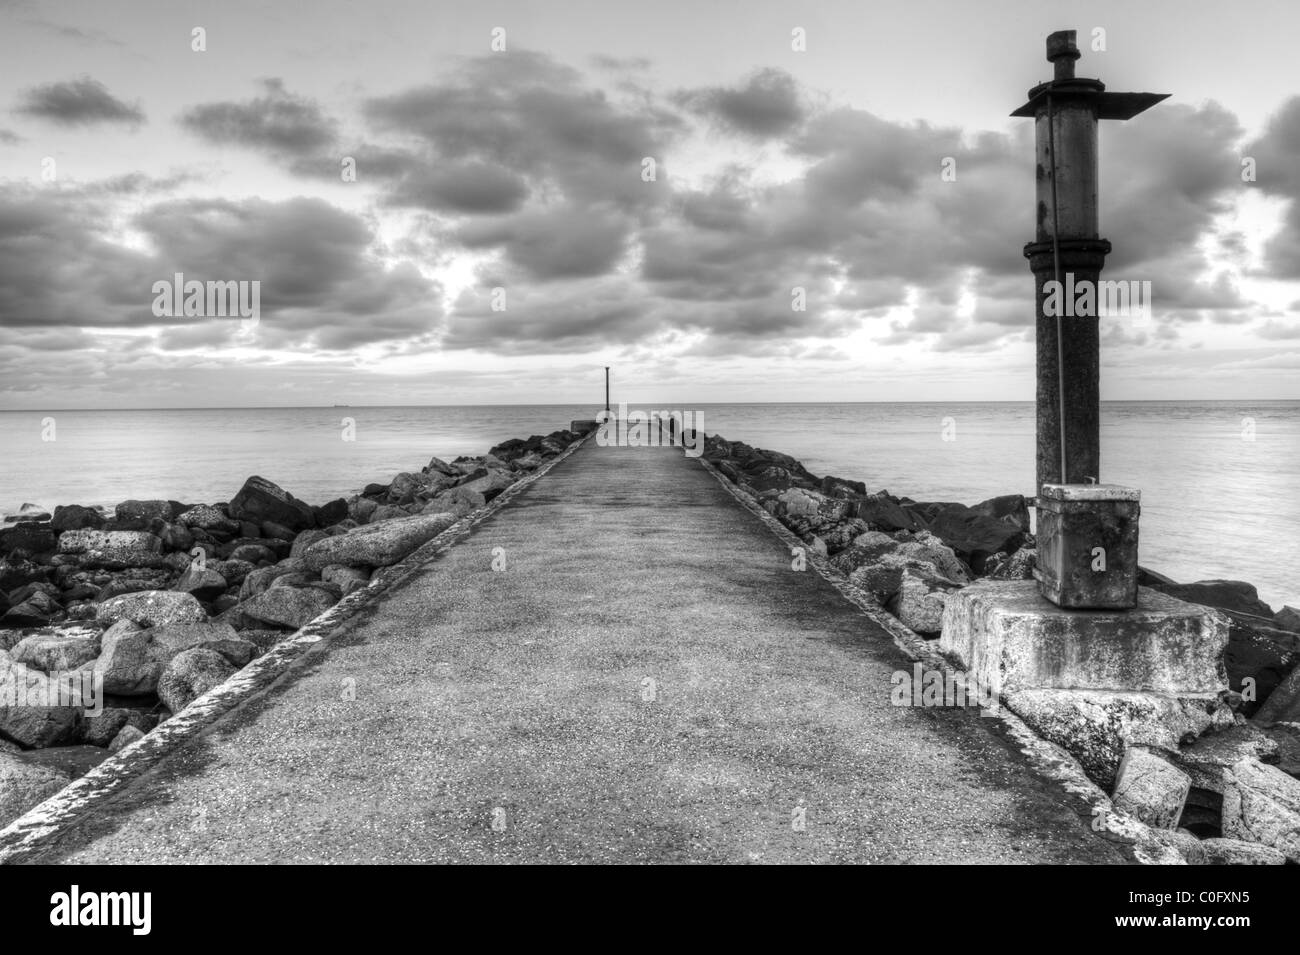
767 105
279 122
563 242
80 102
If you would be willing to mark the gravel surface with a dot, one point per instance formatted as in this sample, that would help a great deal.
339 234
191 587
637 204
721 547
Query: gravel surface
481 715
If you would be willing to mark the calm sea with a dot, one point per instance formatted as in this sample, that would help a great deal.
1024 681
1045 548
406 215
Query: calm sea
1218 479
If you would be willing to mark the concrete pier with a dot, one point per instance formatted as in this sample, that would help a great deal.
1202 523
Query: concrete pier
645 678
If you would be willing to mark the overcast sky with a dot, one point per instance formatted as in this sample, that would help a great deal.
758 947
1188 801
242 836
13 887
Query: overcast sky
522 170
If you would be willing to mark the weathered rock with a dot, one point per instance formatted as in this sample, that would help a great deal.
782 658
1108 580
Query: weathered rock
306 538
362 508
260 580
1234 595
124 662
1258 659
75 517
176 537
442 467
15 573
167 641
974 536
203 585
490 484
138 515
58 649
151 608
34 716
24 784
1151 788
920 600
377 545
100 730
1097 727
262 500
331 512
235 572
1017 566
1236 852
191 674
1010 508
286 607
883 512
128 735
29 536
36 611
274 531
1283 704
1286 738
386 512
112 549
1288 618
263 639
465 498
253 553
209 518
1262 804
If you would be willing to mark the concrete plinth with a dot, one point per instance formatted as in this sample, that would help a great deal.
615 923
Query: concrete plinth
1011 638
582 426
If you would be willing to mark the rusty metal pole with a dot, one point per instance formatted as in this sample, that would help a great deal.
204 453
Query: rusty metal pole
607 392
1068 249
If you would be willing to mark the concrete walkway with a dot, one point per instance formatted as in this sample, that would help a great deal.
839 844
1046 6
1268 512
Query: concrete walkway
508 716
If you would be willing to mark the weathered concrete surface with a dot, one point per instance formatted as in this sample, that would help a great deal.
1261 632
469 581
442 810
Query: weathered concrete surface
1012 638
503 716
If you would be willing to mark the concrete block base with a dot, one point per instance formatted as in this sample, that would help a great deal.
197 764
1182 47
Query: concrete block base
1011 638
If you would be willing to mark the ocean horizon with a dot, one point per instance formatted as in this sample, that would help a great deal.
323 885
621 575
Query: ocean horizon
1191 459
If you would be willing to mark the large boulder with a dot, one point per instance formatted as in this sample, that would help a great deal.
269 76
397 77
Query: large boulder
1232 595
208 518
377 545
974 536
124 662
24 784
191 674
203 585
151 608
1151 788
260 580
885 513
1288 618
286 607
262 500
1262 804
58 649
140 515
15 573
35 611
1010 508
167 641
115 550
1258 660
920 600
490 484
29 536
1017 566
75 517
1283 704
35 714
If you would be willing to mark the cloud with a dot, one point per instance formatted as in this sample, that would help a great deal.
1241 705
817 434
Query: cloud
81 102
767 105
323 281
278 122
9 138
